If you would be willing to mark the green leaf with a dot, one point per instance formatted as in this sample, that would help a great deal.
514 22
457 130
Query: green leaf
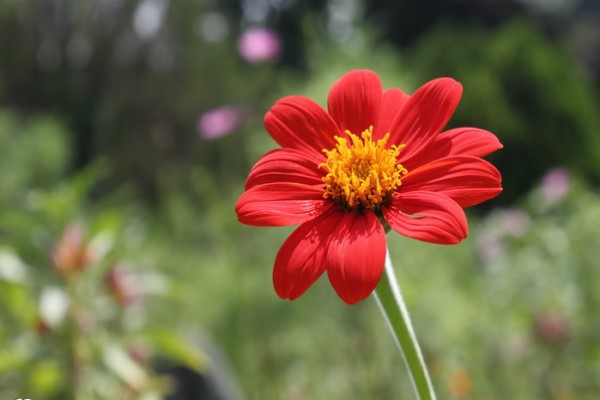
178 350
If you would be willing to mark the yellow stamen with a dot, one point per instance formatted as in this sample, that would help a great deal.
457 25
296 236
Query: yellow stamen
364 174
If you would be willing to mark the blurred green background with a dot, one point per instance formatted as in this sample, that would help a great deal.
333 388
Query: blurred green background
127 129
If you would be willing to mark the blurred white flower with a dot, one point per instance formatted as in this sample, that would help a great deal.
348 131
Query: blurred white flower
53 306
148 18
213 27
12 268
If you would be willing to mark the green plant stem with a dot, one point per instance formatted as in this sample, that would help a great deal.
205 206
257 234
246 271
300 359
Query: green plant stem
73 338
390 301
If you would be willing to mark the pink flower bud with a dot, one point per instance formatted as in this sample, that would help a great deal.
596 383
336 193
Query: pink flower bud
71 254
121 286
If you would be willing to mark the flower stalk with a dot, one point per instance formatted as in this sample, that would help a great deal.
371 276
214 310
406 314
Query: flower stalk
390 302
73 339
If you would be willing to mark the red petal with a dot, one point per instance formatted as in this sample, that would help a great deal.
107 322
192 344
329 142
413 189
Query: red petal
391 103
427 216
285 165
465 179
301 259
356 256
281 204
355 100
460 141
425 114
300 123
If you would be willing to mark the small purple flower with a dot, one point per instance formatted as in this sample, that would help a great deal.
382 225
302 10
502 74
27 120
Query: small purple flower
490 246
514 222
219 122
555 185
258 45
501 225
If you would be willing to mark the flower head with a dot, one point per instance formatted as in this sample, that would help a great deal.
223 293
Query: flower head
258 45
555 185
71 254
121 285
374 159
219 122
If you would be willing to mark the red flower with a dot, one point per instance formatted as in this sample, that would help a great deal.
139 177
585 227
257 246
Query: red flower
375 159
71 254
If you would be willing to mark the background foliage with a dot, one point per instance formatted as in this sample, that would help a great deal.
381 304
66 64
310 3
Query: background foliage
106 158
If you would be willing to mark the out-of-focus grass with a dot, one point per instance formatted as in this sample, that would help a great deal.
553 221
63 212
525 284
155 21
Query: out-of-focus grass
509 313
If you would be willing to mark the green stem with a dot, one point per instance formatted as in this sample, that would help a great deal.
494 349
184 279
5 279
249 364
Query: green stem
390 301
73 338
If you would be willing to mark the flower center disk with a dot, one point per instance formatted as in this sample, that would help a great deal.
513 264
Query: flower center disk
362 174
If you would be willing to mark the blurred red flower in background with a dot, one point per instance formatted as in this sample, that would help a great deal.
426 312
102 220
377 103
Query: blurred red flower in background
71 254
374 160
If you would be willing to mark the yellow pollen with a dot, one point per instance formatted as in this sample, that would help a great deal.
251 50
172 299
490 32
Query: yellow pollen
365 173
